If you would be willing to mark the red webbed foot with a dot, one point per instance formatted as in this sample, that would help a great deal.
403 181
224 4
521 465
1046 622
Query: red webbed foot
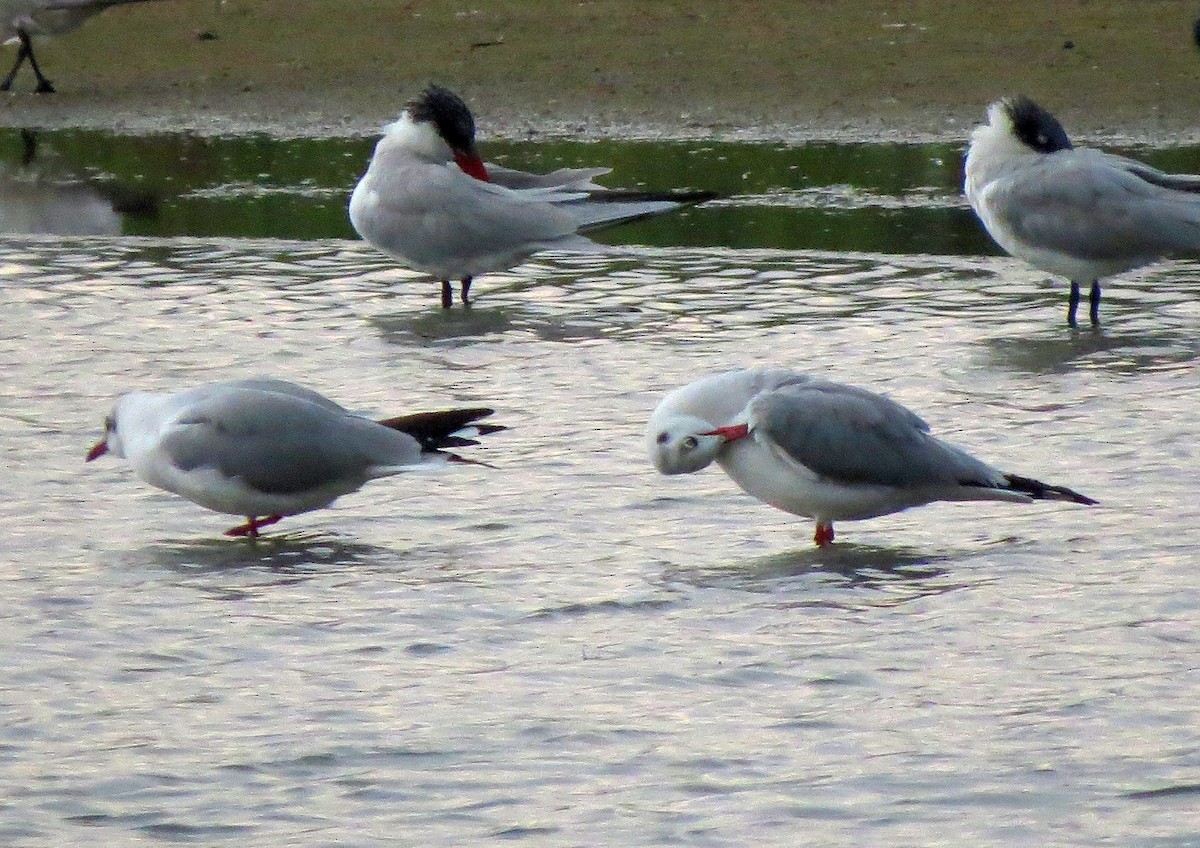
251 527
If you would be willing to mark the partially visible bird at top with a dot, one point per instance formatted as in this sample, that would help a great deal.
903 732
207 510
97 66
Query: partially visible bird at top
22 20
1074 211
429 201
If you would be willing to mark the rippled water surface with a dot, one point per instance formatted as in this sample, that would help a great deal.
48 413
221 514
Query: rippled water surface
566 648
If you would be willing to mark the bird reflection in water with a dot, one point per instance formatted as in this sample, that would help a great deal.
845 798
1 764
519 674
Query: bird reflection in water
42 193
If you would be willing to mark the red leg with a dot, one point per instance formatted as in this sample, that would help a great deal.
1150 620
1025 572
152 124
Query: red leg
824 534
251 527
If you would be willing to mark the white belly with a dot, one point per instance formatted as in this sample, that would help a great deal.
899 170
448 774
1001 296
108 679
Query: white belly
793 488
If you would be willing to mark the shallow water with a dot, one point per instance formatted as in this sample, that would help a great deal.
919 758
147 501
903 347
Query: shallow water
568 649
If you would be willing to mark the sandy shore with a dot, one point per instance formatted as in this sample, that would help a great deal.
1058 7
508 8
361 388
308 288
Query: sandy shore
770 69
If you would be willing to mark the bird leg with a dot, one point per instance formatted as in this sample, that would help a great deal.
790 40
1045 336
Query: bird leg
43 86
447 295
251 527
1073 304
824 534
1094 303
23 53
26 52
466 291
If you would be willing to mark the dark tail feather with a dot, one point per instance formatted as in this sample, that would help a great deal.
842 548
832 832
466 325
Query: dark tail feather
1043 491
56 5
439 430
685 197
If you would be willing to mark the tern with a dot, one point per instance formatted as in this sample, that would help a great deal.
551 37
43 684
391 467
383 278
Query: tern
823 450
267 448
1074 211
21 20
429 201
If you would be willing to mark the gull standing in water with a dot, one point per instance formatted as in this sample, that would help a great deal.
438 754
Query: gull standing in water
267 448
21 20
823 450
429 201
1074 211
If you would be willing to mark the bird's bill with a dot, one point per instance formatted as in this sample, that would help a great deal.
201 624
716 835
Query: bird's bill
97 450
471 164
731 433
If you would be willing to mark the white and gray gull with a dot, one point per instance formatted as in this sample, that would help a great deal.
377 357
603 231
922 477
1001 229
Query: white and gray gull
1074 211
429 201
266 448
22 20
823 450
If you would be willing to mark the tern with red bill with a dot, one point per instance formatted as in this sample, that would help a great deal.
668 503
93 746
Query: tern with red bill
266 448
22 20
429 201
823 450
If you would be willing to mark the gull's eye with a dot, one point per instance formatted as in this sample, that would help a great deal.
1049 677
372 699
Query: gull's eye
110 424
690 443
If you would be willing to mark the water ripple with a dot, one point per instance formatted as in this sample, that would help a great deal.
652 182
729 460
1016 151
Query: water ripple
566 647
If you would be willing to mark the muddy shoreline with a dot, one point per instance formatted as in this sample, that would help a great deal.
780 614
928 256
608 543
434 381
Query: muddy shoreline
922 70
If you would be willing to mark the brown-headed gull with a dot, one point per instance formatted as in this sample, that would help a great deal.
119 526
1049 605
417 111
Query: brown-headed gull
266 448
823 450
1074 211
430 202
21 20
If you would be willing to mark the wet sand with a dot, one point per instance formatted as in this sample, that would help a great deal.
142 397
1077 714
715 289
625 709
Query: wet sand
837 70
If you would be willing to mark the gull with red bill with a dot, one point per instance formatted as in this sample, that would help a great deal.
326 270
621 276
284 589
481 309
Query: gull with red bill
266 448
429 201
823 450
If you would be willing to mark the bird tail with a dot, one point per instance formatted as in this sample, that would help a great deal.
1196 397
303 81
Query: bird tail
66 5
1038 490
613 206
447 428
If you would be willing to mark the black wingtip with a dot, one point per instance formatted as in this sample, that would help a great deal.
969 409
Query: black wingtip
1044 491
438 430
684 197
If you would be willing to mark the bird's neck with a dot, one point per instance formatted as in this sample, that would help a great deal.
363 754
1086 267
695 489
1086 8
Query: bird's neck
407 138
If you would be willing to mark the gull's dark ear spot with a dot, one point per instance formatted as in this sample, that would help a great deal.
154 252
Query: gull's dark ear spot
663 438
1036 127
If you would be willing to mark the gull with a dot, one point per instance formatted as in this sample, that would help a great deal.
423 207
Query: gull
20 20
823 450
429 201
1074 211
267 448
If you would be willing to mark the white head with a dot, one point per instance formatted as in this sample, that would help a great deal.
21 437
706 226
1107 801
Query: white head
438 127
682 444
120 424
1020 121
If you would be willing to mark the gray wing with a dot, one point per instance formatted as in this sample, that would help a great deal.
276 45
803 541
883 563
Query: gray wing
282 387
1177 182
1078 203
575 179
851 435
280 443
435 210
